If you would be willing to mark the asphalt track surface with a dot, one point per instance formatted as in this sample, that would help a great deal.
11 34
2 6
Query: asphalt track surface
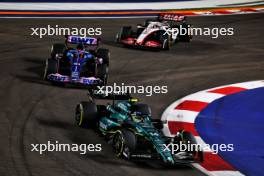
33 111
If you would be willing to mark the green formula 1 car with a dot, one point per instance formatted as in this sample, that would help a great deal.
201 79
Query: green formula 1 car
133 133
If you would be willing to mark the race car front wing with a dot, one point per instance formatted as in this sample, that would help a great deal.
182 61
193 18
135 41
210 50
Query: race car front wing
67 79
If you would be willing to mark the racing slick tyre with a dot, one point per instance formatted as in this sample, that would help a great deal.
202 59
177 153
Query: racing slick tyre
102 73
124 143
104 54
86 114
57 48
144 109
51 66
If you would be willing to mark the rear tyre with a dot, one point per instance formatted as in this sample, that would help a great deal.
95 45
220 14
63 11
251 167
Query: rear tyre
51 66
124 143
124 33
86 115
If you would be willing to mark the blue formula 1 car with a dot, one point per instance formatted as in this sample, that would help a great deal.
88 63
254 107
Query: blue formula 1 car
129 127
78 61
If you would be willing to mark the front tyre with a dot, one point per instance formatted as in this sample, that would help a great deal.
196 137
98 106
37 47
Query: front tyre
124 143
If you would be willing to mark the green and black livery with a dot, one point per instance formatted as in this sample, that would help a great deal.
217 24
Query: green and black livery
133 133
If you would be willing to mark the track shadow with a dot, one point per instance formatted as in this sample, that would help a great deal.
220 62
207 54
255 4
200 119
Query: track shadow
36 71
56 124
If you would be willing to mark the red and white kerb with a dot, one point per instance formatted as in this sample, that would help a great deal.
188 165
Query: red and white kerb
182 114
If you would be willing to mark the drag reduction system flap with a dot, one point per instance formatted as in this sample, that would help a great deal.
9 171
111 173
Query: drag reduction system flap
101 94
83 40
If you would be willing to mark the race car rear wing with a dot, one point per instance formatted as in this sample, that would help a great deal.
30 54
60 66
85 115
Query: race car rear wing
83 40
103 94
171 17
